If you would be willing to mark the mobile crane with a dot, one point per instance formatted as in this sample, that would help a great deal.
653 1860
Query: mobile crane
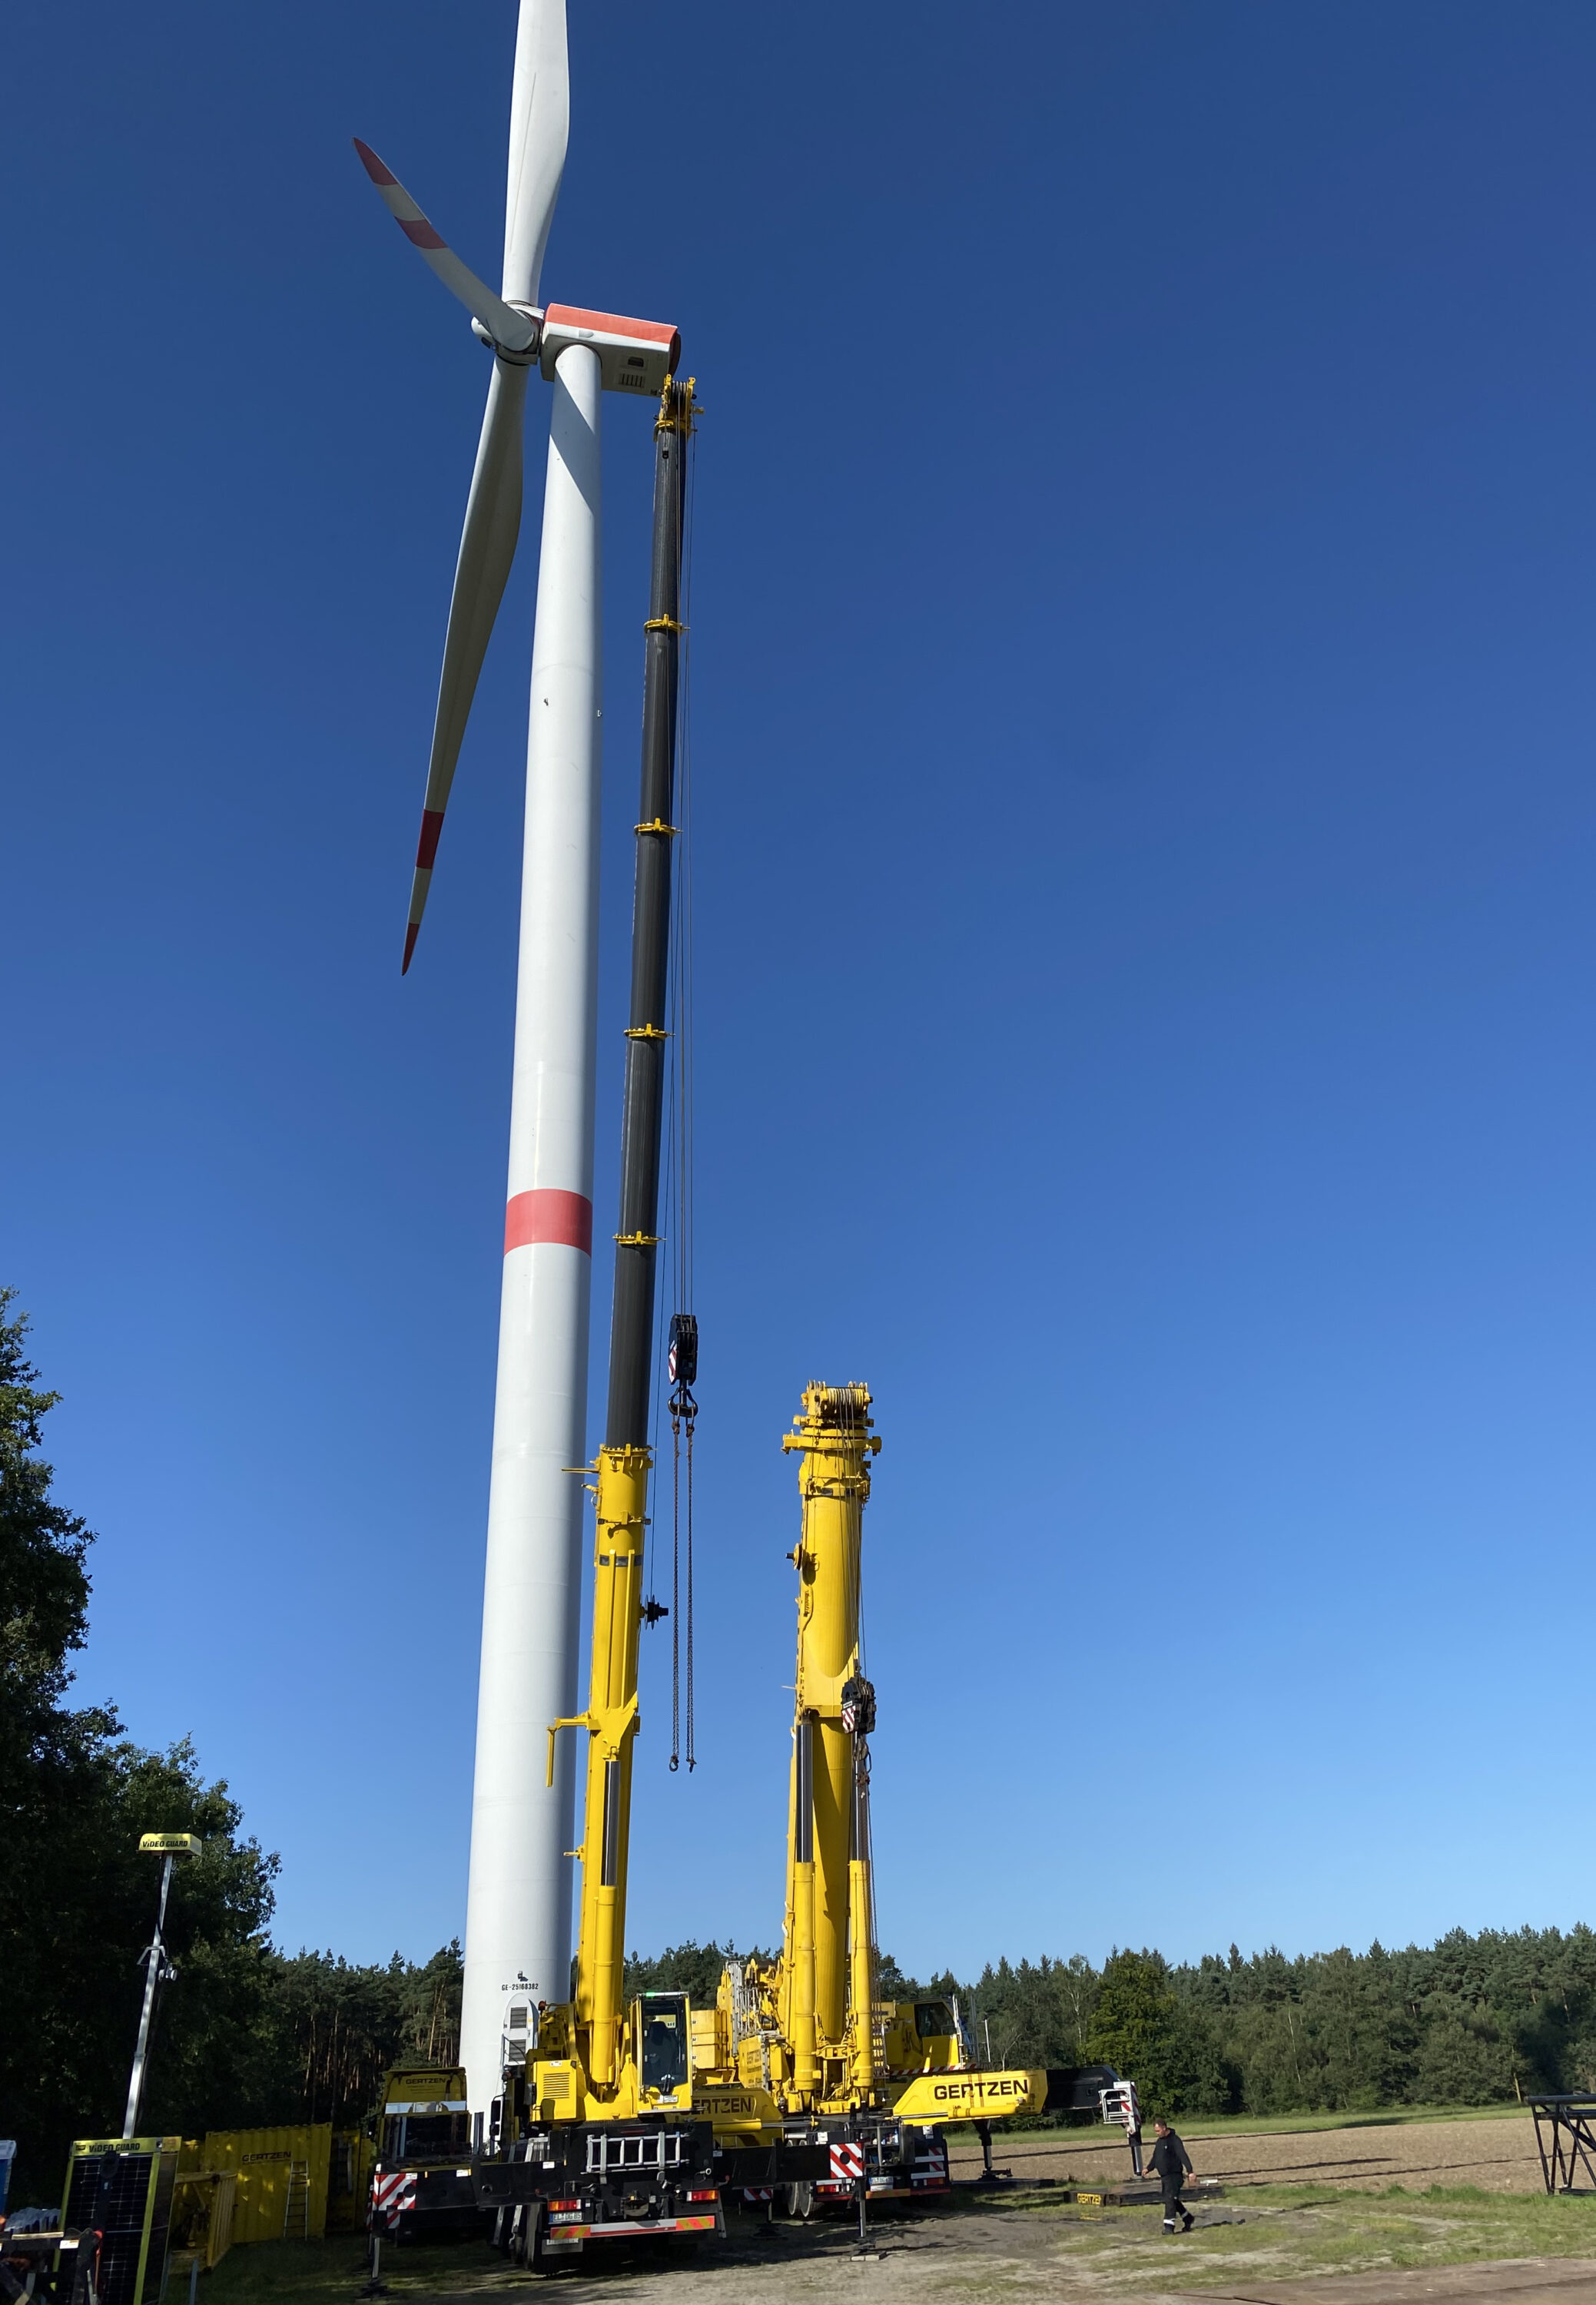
598 2133
421 2168
876 2081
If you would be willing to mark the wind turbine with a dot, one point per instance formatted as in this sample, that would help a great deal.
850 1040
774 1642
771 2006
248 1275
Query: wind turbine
518 1907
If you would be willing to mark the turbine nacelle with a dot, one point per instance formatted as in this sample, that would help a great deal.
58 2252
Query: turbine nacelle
634 355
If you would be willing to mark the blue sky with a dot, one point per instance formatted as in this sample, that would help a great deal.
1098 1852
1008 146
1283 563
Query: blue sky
1145 833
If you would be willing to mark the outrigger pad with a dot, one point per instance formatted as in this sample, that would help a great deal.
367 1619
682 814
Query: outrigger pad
1075 2089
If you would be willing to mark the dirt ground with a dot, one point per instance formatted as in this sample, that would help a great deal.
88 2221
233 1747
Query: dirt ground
1031 2253
990 2258
1378 2213
1497 2154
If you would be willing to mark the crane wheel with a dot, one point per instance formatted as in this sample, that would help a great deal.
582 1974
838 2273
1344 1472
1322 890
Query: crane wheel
800 2201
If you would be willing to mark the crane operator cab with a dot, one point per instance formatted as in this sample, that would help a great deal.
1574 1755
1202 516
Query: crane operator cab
663 2035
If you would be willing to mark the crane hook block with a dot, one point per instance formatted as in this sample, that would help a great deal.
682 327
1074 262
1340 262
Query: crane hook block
858 1706
684 1348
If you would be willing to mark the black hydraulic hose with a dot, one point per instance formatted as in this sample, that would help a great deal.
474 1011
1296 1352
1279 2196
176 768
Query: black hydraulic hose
632 1315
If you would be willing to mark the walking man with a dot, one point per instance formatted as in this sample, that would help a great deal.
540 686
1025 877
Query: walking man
1172 2165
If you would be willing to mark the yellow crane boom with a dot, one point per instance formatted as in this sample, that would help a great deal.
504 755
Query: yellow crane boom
804 2040
827 1938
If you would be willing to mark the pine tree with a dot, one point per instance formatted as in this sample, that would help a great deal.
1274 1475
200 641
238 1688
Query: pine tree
77 1900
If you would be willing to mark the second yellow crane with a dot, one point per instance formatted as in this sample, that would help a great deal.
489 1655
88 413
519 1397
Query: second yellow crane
805 2039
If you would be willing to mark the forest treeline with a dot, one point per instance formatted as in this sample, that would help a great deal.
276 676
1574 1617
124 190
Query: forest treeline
1470 2020
246 2034
249 2035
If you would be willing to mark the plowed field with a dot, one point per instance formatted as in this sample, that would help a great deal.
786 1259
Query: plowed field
1498 2153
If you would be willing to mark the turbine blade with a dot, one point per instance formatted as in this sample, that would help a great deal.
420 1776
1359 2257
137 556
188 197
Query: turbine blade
487 549
509 328
540 126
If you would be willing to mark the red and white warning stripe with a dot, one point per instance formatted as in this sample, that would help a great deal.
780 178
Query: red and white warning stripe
848 2163
393 2191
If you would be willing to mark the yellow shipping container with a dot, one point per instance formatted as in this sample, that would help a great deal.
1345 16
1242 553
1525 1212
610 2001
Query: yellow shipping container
282 2180
349 2187
202 2210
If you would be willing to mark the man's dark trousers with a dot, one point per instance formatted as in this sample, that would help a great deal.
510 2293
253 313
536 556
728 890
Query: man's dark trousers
1171 2161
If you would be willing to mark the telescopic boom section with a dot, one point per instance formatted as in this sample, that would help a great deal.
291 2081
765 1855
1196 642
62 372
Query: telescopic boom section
624 1460
632 1319
828 1949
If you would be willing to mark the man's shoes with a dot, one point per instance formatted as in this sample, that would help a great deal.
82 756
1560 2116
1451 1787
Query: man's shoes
1169 2224
1191 2221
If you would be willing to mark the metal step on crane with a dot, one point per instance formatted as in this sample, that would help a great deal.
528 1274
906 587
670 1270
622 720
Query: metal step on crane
597 2133
803 2045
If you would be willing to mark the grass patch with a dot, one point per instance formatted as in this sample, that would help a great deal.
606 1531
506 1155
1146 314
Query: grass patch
273 2272
333 2272
1257 2231
1280 2233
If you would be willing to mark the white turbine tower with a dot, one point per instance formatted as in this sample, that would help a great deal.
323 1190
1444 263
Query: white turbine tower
518 1908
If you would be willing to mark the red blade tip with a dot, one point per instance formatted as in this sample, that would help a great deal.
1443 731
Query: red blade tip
373 166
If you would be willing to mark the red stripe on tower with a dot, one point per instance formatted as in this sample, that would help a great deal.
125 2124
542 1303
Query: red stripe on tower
549 1215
